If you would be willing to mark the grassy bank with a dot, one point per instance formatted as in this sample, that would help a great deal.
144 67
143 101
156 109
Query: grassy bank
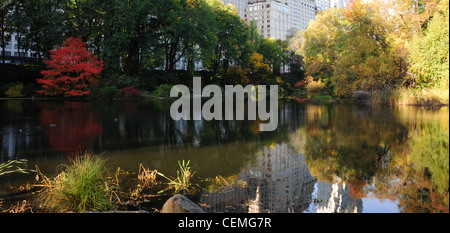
89 184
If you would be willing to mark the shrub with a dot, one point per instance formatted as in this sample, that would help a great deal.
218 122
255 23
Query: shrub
129 92
301 84
163 90
110 91
80 187
315 86
121 81
14 91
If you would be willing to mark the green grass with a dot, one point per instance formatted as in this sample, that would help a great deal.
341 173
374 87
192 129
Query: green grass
317 98
12 167
81 186
183 181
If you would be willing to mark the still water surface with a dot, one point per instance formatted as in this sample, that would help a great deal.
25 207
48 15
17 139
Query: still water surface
322 158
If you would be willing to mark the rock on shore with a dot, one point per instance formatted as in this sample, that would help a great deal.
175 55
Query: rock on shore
180 204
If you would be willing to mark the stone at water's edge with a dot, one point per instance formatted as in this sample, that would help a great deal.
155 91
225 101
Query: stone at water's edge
180 204
360 97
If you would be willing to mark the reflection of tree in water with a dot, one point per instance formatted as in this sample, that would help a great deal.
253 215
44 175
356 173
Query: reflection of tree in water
422 166
372 150
278 181
70 126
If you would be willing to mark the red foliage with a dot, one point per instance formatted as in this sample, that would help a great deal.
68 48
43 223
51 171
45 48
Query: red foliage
76 126
129 92
71 69
301 84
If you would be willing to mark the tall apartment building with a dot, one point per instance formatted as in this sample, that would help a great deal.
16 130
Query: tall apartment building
322 5
302 12
271 17
339 3
239 4
12 53
327 4
276 18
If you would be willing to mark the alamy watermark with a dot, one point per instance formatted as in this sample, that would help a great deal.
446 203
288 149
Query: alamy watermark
213 108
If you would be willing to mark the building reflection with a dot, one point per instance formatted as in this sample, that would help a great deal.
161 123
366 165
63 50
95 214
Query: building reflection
336 198
278 181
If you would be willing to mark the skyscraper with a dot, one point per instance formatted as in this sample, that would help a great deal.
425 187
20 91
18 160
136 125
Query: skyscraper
322 5
271 17
302 12
239 4
276 18
339 3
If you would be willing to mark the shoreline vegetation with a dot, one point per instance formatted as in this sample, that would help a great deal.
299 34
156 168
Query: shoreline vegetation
89 183
391 97
364 53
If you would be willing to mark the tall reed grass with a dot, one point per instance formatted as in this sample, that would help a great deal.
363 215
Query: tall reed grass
411 96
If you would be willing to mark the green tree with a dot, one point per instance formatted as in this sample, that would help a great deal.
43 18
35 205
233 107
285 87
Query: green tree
429 51
5 7
45 23
231 34
274 53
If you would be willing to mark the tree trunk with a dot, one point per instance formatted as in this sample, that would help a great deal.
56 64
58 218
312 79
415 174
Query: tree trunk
132 66
3 40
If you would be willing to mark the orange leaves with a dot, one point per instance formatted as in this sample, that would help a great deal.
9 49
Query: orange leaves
71 69
355 10
260 71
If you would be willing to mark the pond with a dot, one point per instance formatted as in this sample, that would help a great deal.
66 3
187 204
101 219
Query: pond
321 159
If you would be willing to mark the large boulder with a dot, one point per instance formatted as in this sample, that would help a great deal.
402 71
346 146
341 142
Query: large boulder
180 204
360 97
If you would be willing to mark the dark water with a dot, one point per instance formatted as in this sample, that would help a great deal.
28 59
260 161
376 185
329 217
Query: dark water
322 158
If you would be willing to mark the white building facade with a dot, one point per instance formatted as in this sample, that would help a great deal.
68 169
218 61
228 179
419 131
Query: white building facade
276 18
339 3
12 52
327 4
240 5
302 12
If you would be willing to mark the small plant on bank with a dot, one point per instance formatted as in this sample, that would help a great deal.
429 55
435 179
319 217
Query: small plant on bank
146 178
183 181
81 186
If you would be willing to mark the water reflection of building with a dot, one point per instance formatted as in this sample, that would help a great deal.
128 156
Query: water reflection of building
278 181
15 139
335 198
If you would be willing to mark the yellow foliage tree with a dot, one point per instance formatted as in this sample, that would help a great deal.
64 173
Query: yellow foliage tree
260 72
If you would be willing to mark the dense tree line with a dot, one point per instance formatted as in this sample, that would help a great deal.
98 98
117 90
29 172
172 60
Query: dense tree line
379 45
137 36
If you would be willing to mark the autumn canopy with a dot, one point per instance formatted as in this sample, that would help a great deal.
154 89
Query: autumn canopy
71 69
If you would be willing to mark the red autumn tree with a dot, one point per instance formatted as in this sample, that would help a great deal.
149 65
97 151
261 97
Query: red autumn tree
71 69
